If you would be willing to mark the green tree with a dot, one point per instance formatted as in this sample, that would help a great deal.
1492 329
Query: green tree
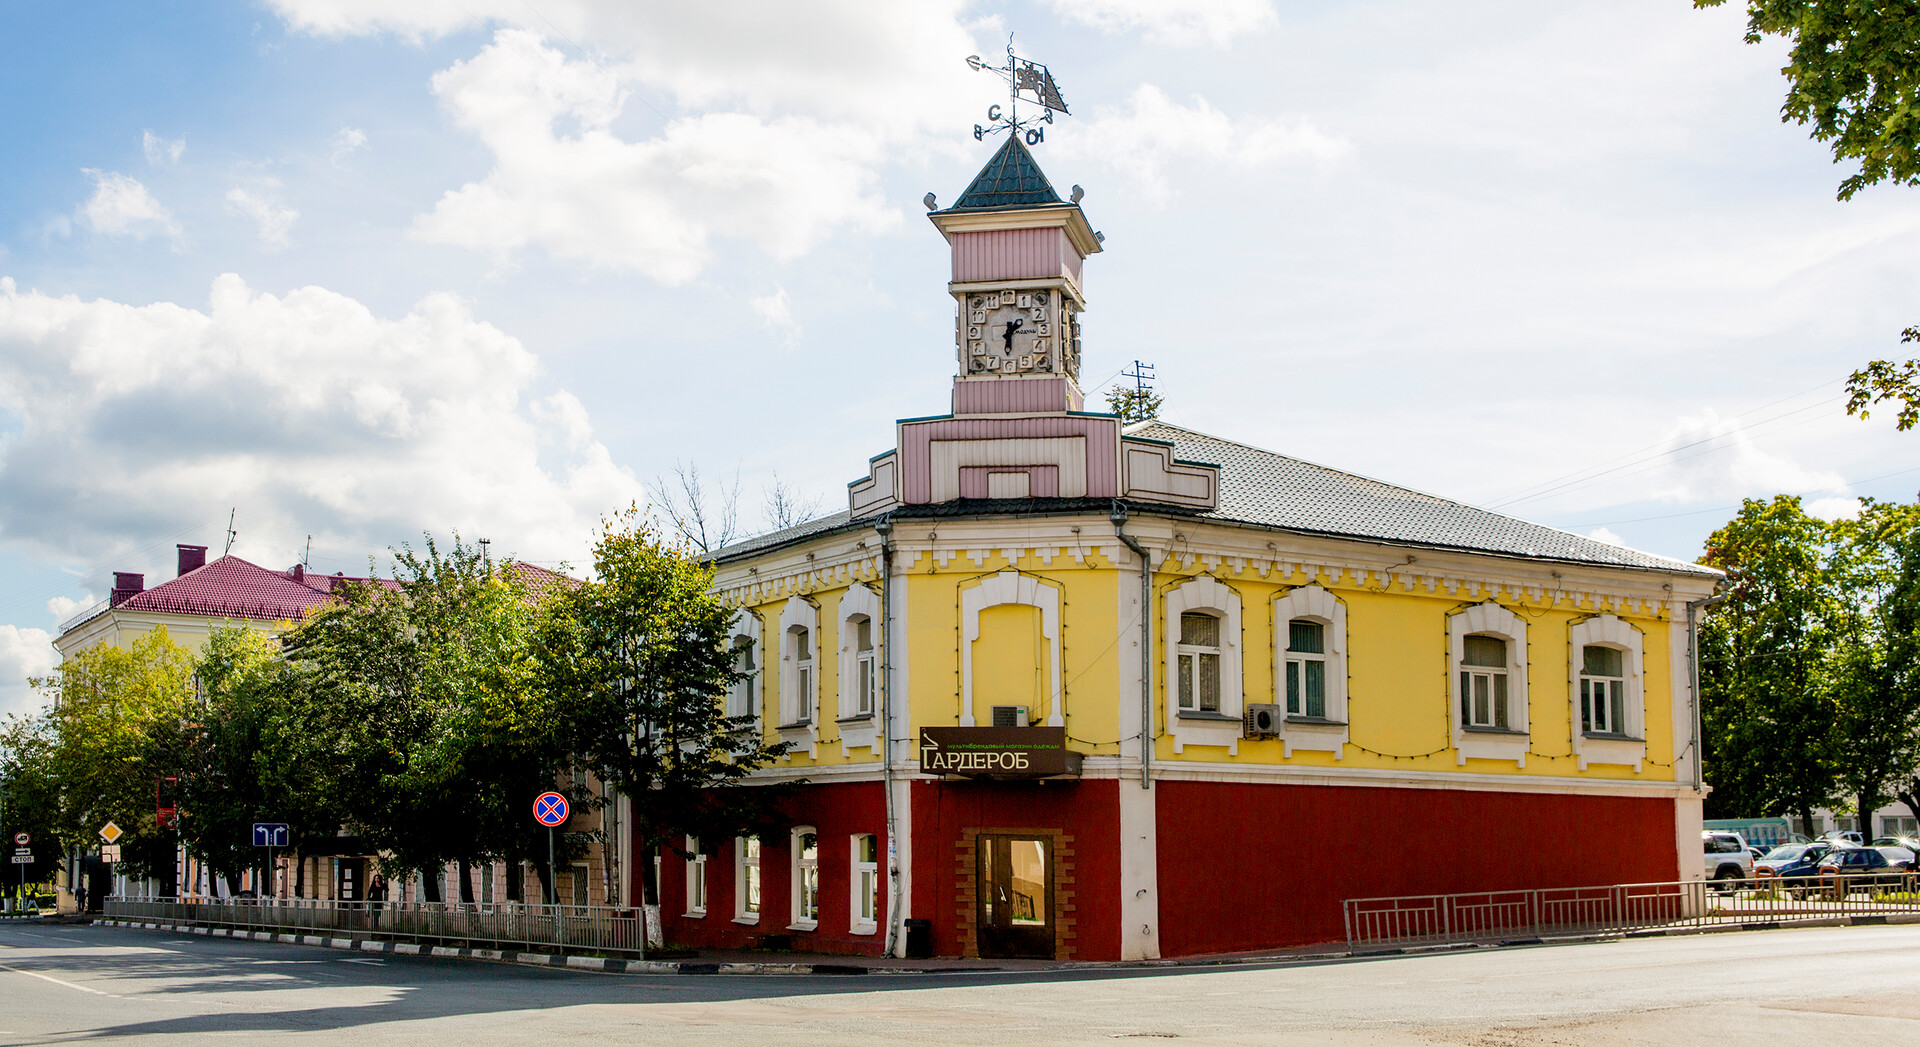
1770 718
1133 405
1853 73
638 660
1870 675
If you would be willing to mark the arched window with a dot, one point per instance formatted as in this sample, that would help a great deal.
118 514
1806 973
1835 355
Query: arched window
866 668
696 878
1607 691
1310 670
865 883
1484 693
1603 689
1306 675
746 879
800 651
1199 654
743 698
858 675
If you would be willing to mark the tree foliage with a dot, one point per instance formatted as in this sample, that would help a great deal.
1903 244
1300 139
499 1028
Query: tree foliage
1883 380
1133 405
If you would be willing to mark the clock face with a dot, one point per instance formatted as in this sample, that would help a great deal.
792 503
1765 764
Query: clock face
1011 332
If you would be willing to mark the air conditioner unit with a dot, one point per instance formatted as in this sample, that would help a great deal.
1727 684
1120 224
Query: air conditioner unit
1009 716
1262 720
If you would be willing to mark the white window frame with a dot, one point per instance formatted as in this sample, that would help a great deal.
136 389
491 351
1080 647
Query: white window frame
802 735
857 728
1315 604
1015 588
859 870
803 876
743 864
1204 594
741 697
696 879
1489 619
1189 657
1628 747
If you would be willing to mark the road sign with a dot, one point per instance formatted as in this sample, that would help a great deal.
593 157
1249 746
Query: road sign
23 856
110 853
111 833
271 834
550 809
23 839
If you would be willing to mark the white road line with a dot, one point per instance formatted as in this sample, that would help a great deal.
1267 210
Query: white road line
55 937
56 981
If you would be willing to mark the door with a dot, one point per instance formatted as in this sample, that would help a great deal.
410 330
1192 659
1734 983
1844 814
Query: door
352 886
1015 914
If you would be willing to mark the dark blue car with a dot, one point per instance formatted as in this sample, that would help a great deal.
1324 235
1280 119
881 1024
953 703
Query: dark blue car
1793 865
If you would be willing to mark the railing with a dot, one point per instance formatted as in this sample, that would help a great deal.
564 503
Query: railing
1434 919
578 928
85 616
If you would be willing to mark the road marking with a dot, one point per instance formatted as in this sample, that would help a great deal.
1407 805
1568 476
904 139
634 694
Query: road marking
376 963
56 981
55 937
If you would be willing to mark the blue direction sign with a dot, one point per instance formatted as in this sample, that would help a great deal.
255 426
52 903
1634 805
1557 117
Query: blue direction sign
550 809
271 834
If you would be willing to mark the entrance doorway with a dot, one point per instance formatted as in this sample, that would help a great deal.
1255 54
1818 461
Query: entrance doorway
1015 907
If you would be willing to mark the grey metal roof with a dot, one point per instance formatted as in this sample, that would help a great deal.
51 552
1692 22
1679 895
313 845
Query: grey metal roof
1272 490
759 542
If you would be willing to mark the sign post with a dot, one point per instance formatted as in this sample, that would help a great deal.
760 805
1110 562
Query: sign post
550 809
23 857
271 835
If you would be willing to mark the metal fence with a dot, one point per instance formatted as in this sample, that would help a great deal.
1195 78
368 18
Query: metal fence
576 928
1431 919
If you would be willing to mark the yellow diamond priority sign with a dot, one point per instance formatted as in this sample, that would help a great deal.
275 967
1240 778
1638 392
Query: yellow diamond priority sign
111 833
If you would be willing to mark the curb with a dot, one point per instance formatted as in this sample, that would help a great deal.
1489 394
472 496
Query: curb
533 959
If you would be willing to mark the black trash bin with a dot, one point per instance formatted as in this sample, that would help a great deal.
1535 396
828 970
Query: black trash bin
919 939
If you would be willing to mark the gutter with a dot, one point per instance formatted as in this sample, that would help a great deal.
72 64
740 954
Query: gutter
1693 669
884 528
1119 518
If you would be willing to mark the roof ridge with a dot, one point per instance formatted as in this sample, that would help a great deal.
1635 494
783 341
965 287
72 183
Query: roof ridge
1331 469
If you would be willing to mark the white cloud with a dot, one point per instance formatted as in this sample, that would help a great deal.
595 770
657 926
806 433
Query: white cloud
24 653
1833 508
345 142
307 411
1180 23
1601 534
776 311
650 206
273 219
1707 457
1154 133
162 150
121 206
63 607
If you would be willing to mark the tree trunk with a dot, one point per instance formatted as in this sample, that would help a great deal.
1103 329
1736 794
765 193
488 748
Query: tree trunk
516 871
545 873
1867 803
233 883
466 881
430 884
300 877
1806 821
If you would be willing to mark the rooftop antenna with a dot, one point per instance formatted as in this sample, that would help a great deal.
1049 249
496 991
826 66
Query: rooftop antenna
306 558
231 533
1142 375
1026 80
486 559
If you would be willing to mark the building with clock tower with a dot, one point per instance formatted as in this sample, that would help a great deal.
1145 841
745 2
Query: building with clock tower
1061 687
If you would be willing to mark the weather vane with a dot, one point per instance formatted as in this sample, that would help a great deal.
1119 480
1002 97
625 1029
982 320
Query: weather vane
1026 80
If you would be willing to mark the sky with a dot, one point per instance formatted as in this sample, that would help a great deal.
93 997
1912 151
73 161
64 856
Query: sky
357 271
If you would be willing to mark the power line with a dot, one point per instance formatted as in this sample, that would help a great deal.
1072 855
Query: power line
1846 485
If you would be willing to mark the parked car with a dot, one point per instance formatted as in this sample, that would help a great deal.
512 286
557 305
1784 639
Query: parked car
1792 865
1757 852
1845 836
1858 866
1899 850
1727 857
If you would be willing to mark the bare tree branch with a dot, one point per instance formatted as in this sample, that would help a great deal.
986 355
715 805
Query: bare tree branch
706 522
786 506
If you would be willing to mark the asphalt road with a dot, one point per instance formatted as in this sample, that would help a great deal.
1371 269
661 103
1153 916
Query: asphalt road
62 983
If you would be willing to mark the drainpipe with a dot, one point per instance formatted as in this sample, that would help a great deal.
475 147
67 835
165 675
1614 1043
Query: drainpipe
884 528
1119 518
1693 667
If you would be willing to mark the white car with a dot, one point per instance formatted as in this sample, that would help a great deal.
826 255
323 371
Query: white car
1727 857
1899 855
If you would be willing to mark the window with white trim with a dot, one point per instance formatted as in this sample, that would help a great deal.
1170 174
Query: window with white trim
1199 654
800 655
746 879
696 878
740 700
1483 683
866 667
1603 689
1306 662
865 884
804 851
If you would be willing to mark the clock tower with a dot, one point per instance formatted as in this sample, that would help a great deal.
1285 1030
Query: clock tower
1019 436
1018 251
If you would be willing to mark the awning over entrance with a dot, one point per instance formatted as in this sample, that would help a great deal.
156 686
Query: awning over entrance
998 752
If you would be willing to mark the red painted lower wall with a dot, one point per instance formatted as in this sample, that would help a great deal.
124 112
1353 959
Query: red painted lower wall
1089 811
1252 866
836 813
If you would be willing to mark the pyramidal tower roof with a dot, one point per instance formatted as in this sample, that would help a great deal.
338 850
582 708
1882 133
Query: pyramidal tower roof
1012 179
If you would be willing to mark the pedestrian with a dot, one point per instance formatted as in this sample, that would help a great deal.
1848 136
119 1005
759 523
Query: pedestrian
376 894
80 896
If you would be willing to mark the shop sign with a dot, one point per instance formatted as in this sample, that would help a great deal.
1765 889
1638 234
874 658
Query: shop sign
997 752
